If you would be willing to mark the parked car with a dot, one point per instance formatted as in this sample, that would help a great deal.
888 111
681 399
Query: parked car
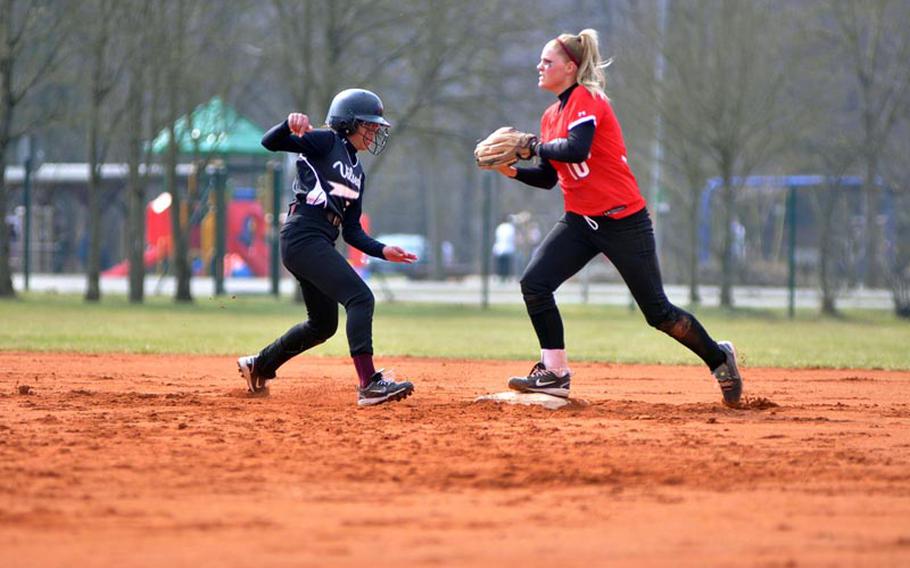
423 268
410 242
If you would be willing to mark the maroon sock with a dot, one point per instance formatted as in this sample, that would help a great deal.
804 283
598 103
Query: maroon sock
364 365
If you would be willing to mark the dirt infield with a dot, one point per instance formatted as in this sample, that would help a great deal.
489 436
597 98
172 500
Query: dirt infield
124 460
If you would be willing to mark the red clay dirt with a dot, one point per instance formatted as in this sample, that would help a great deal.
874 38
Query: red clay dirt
132 460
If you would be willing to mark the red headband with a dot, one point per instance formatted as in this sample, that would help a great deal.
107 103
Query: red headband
572 58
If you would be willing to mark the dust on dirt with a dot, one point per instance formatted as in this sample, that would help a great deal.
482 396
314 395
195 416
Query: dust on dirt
756 403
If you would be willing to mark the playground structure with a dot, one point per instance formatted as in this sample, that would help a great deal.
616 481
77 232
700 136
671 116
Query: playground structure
247 251
233 229
231 232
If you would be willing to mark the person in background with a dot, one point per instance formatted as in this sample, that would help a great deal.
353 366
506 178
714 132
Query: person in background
504 249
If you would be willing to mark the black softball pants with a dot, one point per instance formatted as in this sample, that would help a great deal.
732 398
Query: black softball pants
326 280
629 244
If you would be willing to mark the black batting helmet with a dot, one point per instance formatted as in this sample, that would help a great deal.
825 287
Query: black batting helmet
351 107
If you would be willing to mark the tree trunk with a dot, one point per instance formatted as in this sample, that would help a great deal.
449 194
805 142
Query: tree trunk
6 277
178 238
179 228
136 215
694 295
726 261
96 95
901 294
7 106
155 84
468 219
437 271
92 269
826 279
873 269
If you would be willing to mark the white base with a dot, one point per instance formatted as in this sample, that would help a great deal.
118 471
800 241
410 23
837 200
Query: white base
528 399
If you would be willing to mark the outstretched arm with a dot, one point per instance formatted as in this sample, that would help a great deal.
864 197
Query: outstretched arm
353 234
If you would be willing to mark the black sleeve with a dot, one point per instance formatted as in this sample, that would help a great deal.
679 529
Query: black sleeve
353 234
574 149
314 143
542 175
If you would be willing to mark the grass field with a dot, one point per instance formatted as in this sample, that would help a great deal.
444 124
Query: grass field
236 325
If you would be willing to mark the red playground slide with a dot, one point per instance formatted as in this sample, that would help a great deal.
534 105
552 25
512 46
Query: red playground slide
157 235
246 234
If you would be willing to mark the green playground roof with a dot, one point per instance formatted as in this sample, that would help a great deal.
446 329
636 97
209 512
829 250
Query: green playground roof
217 129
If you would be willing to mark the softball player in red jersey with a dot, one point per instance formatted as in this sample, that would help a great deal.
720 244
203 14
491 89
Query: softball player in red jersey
581 147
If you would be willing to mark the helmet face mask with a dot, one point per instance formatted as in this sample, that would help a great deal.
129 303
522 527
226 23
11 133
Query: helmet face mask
352 108
375 136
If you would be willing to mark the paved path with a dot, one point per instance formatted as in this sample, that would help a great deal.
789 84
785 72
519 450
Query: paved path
469 290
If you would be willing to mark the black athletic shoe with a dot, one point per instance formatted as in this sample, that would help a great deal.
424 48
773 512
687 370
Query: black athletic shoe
543 381
728 377
247 367
383 389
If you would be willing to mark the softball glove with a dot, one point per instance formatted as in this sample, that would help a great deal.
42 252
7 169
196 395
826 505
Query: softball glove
503 147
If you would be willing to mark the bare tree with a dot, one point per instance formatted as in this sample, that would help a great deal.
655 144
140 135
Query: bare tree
822 140
436 60
896 176
873 40
199 54
454 64
829 208
423 59
690 164
722 108
175 27
32 39
327 46
104 22
685 164
141 117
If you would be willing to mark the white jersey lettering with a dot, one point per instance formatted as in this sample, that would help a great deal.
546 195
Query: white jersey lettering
347 172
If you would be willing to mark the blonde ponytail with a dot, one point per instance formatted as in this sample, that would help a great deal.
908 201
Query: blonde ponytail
582 49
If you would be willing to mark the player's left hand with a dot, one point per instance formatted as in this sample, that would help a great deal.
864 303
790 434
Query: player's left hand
299 123
507 170
504 147
398 254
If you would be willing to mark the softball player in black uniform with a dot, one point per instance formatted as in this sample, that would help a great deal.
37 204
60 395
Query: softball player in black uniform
582 148
329 194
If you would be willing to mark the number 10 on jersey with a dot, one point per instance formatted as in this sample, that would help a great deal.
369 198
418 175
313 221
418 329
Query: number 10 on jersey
579 170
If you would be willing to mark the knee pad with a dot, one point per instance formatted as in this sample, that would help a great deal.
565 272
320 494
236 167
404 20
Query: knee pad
539 303
674 323
538 297
530 287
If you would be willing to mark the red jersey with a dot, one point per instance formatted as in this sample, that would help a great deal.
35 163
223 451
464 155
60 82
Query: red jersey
603 183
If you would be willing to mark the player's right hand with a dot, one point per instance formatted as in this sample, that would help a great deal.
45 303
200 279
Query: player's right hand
299 123
398 254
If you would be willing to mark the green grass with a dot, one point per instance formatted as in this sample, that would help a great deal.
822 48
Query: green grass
49 322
